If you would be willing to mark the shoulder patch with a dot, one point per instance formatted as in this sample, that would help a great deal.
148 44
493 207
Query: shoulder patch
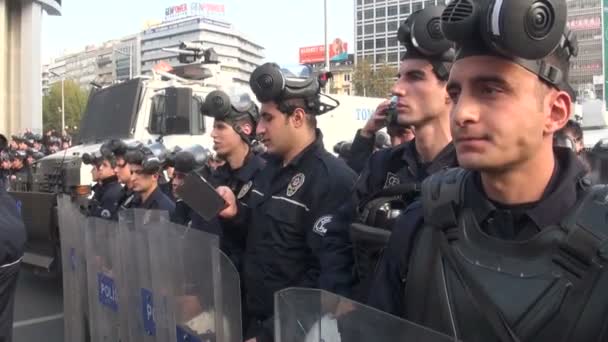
319 226
296 183
244 190
391 180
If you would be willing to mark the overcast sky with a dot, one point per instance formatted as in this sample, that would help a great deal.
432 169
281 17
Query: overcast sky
281 26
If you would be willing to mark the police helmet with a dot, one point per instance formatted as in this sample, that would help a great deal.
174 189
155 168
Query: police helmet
269 83
150 158
231 107
421 35
531 33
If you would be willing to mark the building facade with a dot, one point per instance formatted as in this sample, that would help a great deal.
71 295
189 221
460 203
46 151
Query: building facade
342 72
238 54
585 19
95 64
127 57
376 25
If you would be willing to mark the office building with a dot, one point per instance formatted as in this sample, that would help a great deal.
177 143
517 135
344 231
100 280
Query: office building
127 57
376 25
238 54
95 64
585 19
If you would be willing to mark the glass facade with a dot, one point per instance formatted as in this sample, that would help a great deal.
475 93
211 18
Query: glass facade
376 25
585 19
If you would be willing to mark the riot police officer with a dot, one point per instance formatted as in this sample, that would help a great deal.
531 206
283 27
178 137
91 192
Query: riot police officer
391 178
108 189
234 128
119 150
509 247
145 169
21 174
290 198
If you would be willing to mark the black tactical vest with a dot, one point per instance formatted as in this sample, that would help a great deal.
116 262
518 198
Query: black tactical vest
467 284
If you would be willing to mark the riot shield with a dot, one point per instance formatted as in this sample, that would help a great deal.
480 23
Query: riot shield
134 230
195 287
312 315
107 315
71 230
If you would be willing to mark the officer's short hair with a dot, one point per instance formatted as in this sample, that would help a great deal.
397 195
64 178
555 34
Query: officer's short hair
289 106
574 128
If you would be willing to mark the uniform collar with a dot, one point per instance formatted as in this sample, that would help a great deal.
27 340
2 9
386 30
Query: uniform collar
153 196
251 165
313 148
560 195
109 180
446 158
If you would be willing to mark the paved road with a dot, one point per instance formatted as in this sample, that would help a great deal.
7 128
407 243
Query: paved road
38 309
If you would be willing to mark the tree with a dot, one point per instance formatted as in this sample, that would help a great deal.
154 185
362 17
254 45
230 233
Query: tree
373 83
75 104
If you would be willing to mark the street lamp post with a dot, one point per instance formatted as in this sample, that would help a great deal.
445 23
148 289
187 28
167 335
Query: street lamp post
326 45
130 55
62 101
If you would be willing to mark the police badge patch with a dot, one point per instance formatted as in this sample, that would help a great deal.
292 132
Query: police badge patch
319 226
244 190
391 180
296 183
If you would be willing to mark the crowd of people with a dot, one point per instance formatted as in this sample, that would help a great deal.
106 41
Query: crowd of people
23 151
479 219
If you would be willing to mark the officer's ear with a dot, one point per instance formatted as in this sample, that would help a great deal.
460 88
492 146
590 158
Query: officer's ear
298 118
558 107
246 128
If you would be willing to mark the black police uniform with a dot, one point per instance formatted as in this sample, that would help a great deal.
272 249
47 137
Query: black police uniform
157 201
105 199
361 149
285 218
232 239
12 245
484 271
386 168
23 179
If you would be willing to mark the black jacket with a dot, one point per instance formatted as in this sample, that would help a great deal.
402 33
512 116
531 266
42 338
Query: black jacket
385 168
157 201
286 216
232 238
105 199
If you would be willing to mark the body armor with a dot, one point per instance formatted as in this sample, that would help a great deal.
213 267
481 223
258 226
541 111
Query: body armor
475 287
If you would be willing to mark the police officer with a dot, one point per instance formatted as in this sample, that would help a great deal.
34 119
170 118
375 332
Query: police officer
21 175
108 192
145 169
289 200
12 242
366 140
420 100
183 164
509 248
119 150
234 128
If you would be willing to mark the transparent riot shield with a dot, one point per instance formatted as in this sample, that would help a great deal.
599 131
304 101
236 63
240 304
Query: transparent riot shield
195 287
71 231
107 315
139 298
312 315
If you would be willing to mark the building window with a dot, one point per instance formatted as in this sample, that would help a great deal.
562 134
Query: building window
359 45
392 11
392 41
404 9
359 30
381 27
369 2
416 6
369 14
359 15
393 57
392 26
380 12
380 43
346 77
369 29
380 58
429 3
369 44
